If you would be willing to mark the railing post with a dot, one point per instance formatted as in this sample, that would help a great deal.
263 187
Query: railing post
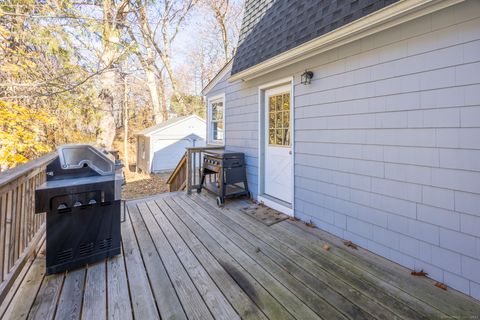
189 171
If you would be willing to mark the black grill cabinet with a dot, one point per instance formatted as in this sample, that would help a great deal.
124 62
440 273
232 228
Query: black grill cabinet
230 169
81 197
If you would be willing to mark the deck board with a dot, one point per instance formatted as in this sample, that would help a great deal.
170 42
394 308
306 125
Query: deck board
185 258
70 302
324 262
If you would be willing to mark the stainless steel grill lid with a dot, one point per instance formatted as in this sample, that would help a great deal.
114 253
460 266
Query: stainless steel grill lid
76 156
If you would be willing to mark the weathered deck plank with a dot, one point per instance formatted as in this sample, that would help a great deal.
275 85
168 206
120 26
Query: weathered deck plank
118 303
291 302
191 300
264 300
239 300
95 298
165 295
213 297
184 258
304 293
320 259
47 297
25 296
142 300
70 303
351 302
452 303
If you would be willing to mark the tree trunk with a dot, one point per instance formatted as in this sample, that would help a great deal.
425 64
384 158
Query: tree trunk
153 88
125 126
111 94
107 122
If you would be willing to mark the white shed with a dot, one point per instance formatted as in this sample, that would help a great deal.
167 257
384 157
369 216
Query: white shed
159 148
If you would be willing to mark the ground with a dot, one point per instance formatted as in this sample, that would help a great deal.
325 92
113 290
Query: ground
140 185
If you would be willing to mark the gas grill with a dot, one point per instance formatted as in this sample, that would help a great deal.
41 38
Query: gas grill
81 197
229 170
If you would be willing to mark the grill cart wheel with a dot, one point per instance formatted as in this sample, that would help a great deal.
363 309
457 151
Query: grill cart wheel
199 190
220 202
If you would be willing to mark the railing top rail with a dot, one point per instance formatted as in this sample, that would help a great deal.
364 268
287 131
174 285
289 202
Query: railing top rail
205 148
21 170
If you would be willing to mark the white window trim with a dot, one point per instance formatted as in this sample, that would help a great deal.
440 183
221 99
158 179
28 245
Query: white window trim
210 100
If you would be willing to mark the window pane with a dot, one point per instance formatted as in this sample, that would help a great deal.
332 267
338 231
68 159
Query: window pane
286 101
271 120
217 111
278 102
271 104
286 119
271 136
279 137
279 120
286 137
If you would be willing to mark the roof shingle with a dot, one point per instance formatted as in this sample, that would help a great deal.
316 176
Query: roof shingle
271 27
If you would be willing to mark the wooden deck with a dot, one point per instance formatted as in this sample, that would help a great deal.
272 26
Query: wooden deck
183 258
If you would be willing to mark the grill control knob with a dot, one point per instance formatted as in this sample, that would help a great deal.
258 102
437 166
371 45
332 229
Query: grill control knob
77 204
62 206
92 201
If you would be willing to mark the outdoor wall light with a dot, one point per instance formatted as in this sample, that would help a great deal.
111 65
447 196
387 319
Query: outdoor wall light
307 77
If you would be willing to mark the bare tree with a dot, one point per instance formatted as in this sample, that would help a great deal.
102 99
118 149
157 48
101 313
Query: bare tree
111 93
226 14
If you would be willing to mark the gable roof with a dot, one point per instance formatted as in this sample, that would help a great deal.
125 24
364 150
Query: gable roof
271 27
161 126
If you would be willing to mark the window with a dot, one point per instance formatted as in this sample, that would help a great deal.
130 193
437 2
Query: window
279 120
216 119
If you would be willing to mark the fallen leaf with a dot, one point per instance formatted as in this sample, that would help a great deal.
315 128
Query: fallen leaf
350 244
257 250
420 273
326 247
441 285
292 219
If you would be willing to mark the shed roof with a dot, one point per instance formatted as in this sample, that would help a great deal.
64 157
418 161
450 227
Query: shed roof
161 126
271 27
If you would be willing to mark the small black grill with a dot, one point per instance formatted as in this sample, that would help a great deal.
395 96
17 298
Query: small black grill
229 167
81 197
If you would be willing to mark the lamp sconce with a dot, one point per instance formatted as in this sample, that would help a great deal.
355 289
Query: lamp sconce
306 77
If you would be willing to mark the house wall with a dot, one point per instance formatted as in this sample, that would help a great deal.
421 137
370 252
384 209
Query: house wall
387 142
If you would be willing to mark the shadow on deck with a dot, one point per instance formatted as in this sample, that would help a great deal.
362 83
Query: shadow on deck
183 258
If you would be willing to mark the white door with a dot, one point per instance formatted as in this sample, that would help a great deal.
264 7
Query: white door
278 149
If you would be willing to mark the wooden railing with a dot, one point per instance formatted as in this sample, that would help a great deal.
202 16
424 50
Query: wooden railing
178 179
194 165
187 174
20 228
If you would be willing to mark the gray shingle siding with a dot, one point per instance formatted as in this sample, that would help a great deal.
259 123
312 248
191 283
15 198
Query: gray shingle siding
271 27
387 142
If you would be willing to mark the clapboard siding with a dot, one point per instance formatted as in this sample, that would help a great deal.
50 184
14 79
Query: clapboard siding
387 142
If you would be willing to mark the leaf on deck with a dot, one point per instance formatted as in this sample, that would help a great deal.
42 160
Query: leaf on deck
350 244
440 285
420 273
326 247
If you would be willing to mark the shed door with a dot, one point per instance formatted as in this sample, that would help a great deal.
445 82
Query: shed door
278 149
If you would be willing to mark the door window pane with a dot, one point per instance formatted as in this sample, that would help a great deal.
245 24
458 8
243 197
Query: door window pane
279 119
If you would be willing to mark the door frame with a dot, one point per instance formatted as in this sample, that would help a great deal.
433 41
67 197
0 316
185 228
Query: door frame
279 205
